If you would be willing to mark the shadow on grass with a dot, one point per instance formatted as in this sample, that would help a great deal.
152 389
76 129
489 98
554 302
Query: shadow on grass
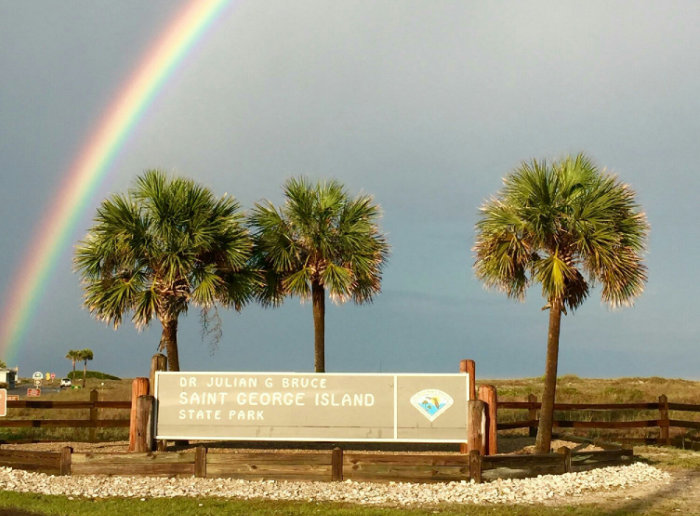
661 500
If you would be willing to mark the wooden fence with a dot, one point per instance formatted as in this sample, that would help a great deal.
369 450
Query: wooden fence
335 464
322 465
663 422
92 421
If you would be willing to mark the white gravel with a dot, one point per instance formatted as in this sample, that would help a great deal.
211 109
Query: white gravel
544 488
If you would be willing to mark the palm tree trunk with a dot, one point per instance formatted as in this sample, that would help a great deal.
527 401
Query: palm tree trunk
168 340
84 372
544 429
318 299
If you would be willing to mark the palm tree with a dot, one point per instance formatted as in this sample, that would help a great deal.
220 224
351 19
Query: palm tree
164 245
551 224
320 239
85 355
73 355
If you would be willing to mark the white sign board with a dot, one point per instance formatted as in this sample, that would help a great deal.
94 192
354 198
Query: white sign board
312 407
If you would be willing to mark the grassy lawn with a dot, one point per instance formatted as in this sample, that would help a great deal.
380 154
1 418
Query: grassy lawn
60 505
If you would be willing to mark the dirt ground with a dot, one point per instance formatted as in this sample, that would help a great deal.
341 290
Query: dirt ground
681 496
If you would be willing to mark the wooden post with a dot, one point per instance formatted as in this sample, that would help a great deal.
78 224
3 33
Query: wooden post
337 464
566 452
664 423
200 462
532 415
475 466
139 387
93 416
64 466
487 394
143 441
476 421
469 367
159 362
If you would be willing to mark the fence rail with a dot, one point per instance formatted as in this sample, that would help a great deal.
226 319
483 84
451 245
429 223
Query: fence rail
328 465
29 404
664 423
92 421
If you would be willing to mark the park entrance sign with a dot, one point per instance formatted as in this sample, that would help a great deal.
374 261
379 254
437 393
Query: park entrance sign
312 407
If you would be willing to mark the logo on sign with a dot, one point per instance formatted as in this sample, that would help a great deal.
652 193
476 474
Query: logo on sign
432 403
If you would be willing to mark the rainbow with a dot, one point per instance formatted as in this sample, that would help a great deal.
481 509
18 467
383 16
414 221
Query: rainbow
92 164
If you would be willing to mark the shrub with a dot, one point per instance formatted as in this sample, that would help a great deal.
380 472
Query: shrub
91 374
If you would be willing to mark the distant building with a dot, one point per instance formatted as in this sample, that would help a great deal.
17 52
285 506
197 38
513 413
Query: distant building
8 377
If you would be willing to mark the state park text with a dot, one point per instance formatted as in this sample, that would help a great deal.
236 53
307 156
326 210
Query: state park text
310 406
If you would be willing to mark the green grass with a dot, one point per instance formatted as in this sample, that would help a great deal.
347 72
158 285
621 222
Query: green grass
669 458
61 505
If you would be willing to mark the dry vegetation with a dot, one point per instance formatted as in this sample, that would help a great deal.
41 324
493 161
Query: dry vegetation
572 389
117 390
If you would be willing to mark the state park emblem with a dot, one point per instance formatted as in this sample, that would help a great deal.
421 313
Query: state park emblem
432 403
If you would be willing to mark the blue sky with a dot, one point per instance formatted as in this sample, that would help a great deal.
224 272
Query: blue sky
426 106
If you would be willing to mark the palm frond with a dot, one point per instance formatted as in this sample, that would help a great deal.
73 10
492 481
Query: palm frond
319 234
167 242
551 222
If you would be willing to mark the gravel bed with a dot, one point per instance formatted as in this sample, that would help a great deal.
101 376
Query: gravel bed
543 489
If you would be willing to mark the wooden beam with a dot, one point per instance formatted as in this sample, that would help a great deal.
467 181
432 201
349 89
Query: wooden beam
663 421
532 413
487 394
476 421
64 465
337 464
159 362
200 462
139 387
475 466
566 452
469 367
143 437
93 416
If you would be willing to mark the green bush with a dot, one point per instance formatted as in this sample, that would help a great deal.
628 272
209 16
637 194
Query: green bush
78 375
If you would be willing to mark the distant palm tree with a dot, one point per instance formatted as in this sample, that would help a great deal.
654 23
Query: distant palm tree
73 355
166 244
551 224
320 239
3 365
85 355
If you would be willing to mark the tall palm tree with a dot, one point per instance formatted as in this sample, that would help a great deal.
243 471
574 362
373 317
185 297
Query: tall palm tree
320 239
553 224
84 355
164 245
73 355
